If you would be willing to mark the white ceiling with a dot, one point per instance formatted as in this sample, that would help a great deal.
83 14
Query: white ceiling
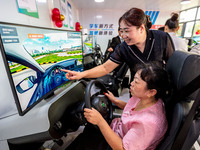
159 5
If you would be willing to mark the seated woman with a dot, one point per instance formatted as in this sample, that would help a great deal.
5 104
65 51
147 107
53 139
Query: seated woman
143 123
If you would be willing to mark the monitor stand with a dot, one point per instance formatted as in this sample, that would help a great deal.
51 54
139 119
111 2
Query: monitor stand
40 123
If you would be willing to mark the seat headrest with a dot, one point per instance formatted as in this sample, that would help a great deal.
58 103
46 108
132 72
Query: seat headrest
183 67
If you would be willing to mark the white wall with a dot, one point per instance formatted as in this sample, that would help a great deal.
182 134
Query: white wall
87 16
9 13
110 17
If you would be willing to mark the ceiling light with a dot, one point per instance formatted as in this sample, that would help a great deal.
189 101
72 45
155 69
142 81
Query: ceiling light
99 1
41 1
98 17
185 1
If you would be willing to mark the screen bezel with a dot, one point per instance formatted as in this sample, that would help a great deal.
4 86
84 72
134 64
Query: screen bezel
12 85
10 78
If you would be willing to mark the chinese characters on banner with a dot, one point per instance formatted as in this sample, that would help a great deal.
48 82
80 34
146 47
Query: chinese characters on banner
64 11
101 29
71 21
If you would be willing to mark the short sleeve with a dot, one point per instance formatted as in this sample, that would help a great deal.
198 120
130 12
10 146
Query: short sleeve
116 56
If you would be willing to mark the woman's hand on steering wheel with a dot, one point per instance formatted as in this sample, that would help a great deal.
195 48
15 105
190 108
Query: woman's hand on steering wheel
111 97
98 101
93 116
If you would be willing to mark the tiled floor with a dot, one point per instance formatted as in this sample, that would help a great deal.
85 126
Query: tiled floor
124 95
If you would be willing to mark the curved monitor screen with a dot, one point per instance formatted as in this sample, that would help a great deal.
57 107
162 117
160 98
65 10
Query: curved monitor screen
34 57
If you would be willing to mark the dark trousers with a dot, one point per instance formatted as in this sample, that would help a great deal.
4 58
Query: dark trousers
90 139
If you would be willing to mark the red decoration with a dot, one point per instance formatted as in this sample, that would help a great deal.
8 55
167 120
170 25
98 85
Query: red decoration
59 24
57 18
197 32
77 26
55 11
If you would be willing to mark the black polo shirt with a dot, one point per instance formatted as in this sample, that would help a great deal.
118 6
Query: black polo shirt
158 47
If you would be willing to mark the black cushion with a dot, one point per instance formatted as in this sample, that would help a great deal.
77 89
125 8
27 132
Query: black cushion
183 67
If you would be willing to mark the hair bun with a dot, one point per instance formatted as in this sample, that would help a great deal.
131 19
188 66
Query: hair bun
174 17
149 23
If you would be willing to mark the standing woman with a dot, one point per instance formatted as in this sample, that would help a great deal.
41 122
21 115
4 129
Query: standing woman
172 26
140 45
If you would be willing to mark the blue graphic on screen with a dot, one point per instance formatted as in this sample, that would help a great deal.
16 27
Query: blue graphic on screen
36 59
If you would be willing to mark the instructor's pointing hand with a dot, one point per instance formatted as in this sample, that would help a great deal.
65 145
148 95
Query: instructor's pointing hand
72 75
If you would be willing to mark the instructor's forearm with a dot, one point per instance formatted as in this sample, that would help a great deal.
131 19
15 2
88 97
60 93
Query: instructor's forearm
100 70
95 72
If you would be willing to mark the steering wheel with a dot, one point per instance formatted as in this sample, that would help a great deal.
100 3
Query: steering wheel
98 100
57 77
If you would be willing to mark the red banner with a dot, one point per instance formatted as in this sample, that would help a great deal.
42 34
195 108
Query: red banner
155 27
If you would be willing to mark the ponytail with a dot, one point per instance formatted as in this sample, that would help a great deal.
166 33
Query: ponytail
173 22
174 17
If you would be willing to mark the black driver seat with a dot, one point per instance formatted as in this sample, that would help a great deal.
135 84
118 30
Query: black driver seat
183 67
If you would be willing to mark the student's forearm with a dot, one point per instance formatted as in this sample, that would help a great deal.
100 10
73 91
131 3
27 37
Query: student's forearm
111 137
121 104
